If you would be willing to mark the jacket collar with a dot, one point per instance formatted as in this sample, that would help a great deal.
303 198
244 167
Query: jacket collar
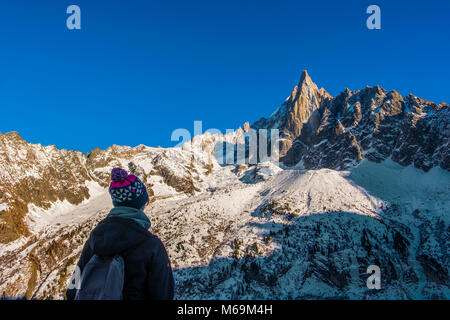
136 215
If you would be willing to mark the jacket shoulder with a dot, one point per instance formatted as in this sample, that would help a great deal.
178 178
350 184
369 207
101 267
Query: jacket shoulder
153 242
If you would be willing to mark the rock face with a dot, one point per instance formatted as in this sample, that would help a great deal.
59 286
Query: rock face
299 110
33 174
38 176
319 131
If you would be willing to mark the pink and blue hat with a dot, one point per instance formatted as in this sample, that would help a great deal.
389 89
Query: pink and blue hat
127 190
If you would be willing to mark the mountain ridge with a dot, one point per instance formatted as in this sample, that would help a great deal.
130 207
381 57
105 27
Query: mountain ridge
369 123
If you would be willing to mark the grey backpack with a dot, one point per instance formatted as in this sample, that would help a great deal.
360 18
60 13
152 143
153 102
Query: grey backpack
102 279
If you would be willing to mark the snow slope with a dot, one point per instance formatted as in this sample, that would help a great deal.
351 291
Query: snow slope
283 234
412 188
63 213
325 230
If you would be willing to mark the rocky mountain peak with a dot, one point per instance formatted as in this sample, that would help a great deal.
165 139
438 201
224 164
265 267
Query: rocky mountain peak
305 79
395 95
298 110
12 136
306 88
321 131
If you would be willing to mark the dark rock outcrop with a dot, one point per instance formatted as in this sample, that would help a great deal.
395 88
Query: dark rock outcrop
319 131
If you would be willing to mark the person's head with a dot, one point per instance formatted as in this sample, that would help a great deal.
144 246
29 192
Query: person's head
127 190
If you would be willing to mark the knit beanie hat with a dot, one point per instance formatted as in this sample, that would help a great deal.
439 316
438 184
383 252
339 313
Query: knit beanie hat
127 190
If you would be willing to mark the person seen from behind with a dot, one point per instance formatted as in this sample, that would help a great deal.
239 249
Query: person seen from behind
143 270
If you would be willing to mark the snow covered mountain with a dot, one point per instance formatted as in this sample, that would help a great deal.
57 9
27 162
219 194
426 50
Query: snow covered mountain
320 131
364 181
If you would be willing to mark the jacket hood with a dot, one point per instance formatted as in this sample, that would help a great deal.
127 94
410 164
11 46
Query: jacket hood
116 234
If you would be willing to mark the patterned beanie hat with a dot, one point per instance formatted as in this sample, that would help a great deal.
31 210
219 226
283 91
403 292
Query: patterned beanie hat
127 190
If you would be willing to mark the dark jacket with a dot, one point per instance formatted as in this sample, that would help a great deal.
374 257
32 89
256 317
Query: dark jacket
148 274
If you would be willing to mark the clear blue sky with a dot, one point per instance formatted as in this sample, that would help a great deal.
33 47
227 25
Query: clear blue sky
140 69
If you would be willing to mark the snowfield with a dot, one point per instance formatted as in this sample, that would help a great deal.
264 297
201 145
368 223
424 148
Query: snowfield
62 213
261 232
